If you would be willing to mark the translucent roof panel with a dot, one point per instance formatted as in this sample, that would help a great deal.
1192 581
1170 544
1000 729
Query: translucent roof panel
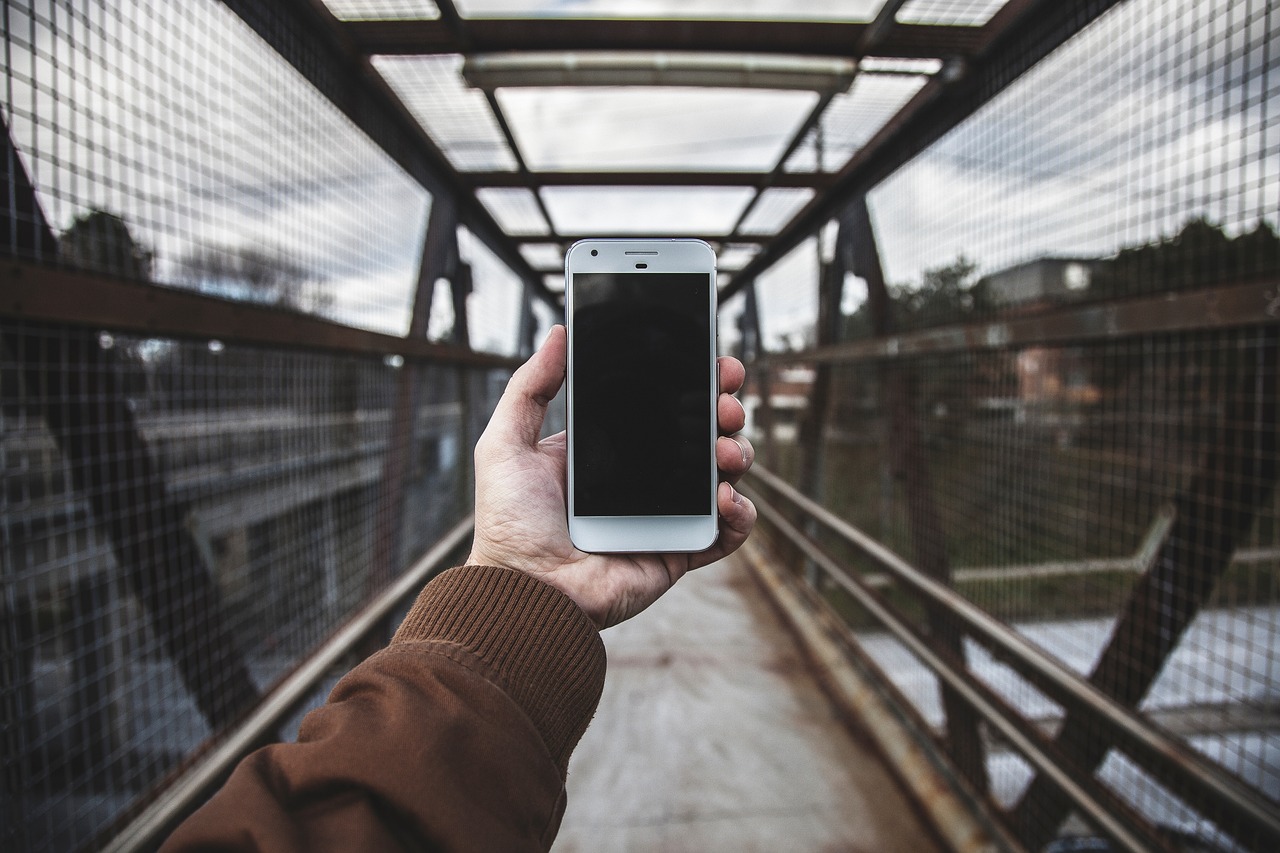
382 10
957 13
543 256
493 308
516 210
792 10
653 128
458 118
645 210
775 209
733 258
853 118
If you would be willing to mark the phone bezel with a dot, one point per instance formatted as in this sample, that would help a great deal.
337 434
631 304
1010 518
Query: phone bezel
645 533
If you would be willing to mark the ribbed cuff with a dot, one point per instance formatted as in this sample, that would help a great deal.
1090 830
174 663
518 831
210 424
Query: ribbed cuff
543 650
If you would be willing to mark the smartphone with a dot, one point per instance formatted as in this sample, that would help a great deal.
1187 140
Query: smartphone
642 389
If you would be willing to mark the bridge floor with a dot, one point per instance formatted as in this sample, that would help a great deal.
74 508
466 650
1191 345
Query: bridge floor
713 736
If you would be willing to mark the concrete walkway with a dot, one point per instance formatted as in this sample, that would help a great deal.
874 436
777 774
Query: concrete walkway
712 736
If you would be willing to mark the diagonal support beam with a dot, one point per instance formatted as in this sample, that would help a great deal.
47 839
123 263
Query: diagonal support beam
1011 45
311 40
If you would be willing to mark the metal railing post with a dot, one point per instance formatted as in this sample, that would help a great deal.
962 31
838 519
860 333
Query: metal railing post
911 464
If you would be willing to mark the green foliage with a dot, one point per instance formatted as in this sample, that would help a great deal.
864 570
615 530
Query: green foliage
1200 255
102 242
946 294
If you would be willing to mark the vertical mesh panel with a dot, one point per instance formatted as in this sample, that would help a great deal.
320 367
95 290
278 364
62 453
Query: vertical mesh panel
1110 491
183 521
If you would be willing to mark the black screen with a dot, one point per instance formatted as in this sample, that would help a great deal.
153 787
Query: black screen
642 376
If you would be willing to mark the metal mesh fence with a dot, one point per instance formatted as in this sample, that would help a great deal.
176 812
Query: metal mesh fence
1103 482
183 523
184 519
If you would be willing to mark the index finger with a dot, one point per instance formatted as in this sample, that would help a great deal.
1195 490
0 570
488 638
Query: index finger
732 374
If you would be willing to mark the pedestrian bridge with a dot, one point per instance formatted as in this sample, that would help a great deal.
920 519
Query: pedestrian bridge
1005 275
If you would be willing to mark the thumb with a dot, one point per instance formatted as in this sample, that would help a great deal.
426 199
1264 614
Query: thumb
523 407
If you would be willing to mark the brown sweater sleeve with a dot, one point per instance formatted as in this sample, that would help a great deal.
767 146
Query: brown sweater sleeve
455 737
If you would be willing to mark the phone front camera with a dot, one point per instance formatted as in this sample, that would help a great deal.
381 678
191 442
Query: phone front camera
594 252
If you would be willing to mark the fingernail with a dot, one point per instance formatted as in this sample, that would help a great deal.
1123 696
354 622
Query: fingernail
742 448
737 498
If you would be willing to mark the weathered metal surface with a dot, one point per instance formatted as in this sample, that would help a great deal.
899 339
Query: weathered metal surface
804 180
1213 514
184 794
713 736
52 294
1200 781
1101 808
1010 46
1231 305
304 34
864 693
799 38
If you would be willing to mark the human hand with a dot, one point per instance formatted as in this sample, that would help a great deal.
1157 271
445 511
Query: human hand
520 497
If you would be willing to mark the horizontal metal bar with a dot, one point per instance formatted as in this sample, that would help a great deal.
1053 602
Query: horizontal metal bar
533 180
1251 303
1200 780
56 295
713 239
1017 732
308 37
864 694
1008 46
799 38
183 794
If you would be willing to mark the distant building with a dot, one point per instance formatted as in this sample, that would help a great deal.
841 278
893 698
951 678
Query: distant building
1041 280
789 390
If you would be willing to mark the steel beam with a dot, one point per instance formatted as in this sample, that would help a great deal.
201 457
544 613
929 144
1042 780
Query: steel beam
1010 45
1204 783
50 294
799 38
714 239
534 179
307 36
1229 305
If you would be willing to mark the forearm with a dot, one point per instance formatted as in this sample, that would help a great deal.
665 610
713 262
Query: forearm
455 737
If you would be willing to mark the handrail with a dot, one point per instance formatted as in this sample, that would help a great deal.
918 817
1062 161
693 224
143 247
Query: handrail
1119 823
53 294
1204 783
1232 304
153 824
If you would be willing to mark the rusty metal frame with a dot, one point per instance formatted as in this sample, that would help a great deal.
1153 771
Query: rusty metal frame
307 36
57 295
1229 305
1204 784
1129 829
800 38
760 180
180 796
1014 41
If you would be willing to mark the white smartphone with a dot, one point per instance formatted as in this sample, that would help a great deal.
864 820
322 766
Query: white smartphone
642 389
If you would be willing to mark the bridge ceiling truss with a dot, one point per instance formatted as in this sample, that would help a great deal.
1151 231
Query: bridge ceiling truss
748 133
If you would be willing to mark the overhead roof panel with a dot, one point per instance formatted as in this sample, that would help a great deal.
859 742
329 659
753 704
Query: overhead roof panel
457 118
543 256
795 10
645 128
382 10
645 210
516 210
971 13
854 118
775 209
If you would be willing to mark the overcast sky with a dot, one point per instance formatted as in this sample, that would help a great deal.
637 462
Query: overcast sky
198 135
